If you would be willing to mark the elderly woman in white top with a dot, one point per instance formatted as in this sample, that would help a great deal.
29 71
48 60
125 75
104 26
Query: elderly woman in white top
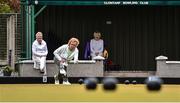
96 45
64 54
39 52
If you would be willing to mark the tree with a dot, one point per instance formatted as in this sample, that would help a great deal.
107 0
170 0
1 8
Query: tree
8 6
15 5
4 7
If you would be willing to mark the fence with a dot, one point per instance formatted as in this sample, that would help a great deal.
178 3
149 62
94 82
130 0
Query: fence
10 38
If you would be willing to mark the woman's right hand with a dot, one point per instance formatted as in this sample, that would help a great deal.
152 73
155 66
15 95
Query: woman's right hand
62 61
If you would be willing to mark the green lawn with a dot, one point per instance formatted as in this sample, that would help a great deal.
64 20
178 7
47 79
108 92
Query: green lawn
78 93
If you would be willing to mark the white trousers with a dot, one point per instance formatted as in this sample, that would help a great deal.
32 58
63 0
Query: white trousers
39 62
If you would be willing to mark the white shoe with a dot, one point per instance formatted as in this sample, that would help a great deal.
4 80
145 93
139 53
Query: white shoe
66 83
56 81
62 71
36 68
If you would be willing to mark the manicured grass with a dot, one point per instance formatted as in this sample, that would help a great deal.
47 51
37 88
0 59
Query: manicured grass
78 93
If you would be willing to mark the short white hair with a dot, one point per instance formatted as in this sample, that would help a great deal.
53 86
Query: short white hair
39 34
73 39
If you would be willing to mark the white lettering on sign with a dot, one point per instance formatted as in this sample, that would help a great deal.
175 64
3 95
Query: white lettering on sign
112 2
